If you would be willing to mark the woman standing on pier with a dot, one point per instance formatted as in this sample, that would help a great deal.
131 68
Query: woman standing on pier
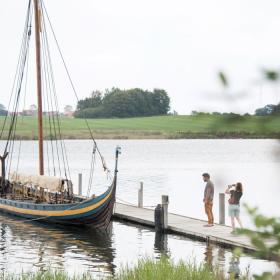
235 191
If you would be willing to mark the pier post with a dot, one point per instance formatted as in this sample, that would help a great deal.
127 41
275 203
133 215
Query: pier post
161 242
80 191
221 208
161 214
140 196
158 218
164 203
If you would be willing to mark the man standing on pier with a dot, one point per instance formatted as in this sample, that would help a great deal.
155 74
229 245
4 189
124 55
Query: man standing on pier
208 199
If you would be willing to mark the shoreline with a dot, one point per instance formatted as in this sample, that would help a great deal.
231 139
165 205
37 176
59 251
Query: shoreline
146 135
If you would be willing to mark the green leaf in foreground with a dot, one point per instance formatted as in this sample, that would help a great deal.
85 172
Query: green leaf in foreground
265 238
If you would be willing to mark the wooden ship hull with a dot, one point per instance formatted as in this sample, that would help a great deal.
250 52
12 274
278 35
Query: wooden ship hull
95 212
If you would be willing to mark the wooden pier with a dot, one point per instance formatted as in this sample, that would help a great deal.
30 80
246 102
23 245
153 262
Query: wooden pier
186 226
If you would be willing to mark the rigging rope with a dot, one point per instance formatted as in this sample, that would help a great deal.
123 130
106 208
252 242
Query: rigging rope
18 86
51 111
55 116
17 70
92 165
24 99
73 87
58 147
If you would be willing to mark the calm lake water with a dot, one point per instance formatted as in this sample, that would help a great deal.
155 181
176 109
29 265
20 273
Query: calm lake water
35 246
172 167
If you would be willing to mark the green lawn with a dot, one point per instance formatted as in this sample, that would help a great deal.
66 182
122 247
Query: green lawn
159 127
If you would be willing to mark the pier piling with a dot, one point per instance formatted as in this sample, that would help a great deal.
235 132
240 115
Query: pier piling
80 191
221 208
164 203
161 215
140 195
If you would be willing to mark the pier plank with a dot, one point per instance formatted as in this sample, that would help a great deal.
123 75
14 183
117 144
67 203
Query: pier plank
183 225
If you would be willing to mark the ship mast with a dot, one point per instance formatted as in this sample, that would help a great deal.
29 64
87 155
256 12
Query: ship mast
37 12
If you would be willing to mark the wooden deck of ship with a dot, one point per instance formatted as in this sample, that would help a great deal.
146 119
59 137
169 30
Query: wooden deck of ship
186 226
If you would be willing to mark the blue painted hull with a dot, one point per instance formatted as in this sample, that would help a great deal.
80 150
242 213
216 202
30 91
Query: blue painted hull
95 212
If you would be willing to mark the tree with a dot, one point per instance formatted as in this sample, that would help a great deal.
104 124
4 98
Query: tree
276 110
96 94
216 113
3 111
68 109
265 111
117 103
272 76
161 101
93 101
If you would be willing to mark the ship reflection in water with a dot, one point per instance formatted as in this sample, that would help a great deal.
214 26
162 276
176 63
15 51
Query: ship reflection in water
35 246
30 246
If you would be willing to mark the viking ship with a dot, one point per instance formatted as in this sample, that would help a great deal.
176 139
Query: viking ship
47 196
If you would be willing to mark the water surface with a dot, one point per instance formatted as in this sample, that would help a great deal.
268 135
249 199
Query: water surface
172 167
35 246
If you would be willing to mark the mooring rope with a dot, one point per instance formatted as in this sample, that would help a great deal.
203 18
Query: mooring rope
135 205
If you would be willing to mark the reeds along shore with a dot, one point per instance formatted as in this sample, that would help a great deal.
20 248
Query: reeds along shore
145 269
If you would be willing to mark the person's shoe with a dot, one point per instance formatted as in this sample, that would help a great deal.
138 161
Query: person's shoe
208 225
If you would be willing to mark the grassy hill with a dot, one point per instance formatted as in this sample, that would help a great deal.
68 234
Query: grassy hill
159 127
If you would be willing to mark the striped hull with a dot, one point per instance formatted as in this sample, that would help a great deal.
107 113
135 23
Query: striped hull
95 212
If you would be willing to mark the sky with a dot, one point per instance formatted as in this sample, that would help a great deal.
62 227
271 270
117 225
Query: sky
177 45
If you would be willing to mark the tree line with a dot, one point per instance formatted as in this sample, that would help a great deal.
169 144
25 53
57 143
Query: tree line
268 110
3 111
118 103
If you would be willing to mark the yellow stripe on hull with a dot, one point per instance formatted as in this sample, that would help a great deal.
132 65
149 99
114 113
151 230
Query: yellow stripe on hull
55 213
